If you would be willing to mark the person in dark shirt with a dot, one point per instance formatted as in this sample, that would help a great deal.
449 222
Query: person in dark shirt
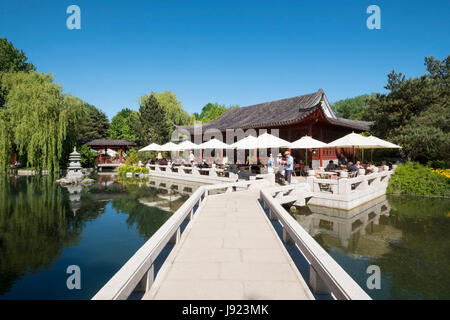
342 159
352 167
331 166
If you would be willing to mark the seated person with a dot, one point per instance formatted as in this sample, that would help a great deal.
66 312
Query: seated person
352 167
339 165
370 167
163 162
358 165
331 166
343 159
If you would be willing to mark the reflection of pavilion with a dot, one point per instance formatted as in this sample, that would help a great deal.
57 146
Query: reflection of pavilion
344 225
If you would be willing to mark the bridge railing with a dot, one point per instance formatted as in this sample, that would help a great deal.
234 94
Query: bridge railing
326 275
138 273
350 186
193 171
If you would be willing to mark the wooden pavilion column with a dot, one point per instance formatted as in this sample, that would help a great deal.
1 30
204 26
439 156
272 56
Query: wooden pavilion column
100 155
120 153
321 149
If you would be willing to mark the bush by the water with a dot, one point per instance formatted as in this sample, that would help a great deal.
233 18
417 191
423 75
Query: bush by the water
124 169
415 179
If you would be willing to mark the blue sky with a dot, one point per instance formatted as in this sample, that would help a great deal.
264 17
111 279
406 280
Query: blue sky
232 52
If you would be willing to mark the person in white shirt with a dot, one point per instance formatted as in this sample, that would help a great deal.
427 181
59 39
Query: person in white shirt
191 157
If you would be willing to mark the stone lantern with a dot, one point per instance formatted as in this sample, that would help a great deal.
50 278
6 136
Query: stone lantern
74 169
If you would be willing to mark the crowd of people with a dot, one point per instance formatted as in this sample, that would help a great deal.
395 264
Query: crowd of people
283 165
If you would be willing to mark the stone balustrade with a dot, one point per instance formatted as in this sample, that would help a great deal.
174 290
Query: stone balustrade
192 173
345 192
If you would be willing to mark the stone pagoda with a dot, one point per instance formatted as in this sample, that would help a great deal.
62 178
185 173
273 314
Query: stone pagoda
74 169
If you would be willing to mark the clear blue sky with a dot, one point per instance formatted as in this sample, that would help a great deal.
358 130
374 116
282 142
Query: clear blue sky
232 52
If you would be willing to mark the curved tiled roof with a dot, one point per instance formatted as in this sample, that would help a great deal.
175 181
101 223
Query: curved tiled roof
110 143
275 113
354 124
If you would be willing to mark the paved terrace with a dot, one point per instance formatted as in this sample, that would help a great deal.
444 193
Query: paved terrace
230 251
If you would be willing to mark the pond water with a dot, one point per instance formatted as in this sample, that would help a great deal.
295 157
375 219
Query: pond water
408 238
44 228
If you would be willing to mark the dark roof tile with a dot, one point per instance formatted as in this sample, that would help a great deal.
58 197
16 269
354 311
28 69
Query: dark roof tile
274 113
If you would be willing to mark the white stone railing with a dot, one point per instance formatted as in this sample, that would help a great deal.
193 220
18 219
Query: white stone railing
326 275
293 193
138 272
346 185
193 172
347 193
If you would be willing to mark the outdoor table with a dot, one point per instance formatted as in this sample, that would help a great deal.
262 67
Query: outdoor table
327 174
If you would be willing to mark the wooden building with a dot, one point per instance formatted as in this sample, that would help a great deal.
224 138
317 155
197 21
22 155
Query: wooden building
102 145
308 114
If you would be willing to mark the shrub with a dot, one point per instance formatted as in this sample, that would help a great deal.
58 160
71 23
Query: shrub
124 169
132 157
415 179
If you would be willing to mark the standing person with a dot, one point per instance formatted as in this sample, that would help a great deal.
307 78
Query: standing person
270 164
271 161
289 167
191 157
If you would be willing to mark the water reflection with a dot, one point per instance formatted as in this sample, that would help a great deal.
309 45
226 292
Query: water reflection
97 227
407 237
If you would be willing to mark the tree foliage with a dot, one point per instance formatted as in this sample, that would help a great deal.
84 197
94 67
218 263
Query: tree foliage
11 60
175 112
122 125
153 124
87 156
40 119
353 108
93 124
415 113
212 111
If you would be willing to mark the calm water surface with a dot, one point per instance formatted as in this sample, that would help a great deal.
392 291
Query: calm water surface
44 228
407 237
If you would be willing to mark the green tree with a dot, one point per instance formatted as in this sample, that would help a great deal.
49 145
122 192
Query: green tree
353 108
153 124
40 118
11 60
87 156
6 147
415 113
122 125
212 111
93 124
175 112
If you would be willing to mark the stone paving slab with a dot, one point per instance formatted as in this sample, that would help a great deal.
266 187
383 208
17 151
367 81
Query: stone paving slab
230 251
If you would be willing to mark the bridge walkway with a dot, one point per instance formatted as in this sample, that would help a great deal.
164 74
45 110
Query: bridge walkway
230 251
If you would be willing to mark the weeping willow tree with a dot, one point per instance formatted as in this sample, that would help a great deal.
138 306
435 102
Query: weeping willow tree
37 120
5 140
